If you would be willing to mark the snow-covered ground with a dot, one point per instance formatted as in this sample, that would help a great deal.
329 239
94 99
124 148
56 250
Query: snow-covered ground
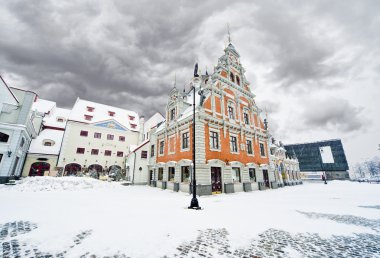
70 217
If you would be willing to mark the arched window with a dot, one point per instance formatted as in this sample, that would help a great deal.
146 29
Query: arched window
4 137
232 77
48 142
237 80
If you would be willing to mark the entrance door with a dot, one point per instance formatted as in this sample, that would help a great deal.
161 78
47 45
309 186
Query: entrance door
39 168
216 180
266 178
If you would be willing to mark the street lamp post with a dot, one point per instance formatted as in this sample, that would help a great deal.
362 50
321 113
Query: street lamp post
194 201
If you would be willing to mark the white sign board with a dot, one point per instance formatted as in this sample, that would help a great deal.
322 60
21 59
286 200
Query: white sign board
326 154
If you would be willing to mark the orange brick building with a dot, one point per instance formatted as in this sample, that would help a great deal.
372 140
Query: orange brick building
231 139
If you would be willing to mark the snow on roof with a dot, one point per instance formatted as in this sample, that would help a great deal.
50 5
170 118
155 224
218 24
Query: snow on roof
37 145
133 148
101 112
153 121
43 105
56 116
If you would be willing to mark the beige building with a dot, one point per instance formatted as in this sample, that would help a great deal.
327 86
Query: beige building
97 138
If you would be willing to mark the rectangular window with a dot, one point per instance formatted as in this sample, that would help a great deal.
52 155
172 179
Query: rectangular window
185 174
160 174
171 174
133 126
131 117
246 119
249 147
233 144
84 133
172 114
231 112
109 136
90 109
107 153
162 145
80 150
94 152
214 140
1 157
120 154
152 151
262 150
87 117
144 154
252 174
111 113
97 135
236 175
185 140
122 138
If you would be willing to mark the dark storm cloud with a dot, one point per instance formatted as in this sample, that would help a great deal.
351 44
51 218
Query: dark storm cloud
125 53
333 113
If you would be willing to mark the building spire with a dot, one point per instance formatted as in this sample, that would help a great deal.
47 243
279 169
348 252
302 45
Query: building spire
175 80
228 32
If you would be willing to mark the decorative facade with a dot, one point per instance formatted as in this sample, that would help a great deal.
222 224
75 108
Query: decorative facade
231 139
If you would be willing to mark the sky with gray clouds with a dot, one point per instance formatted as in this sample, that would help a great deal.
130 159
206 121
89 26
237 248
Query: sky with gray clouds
313 65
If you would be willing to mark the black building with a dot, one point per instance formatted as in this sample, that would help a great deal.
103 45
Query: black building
327 156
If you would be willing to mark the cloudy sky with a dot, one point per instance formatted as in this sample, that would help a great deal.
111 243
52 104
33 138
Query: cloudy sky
313 65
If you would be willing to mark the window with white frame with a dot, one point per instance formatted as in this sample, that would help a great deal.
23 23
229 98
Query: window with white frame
249 147
262 150
214 140
236 177
231 112
171 174
233 144
185 174
162 146
172 114
246 118
185 140
252 174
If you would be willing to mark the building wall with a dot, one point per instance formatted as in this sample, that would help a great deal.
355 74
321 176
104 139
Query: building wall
72 140
138 170
33 158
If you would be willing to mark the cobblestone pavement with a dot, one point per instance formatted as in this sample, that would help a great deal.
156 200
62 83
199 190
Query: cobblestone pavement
215 242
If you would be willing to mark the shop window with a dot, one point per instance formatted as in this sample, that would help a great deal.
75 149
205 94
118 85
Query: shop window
171 174
185 174
236 177
252 174
160 174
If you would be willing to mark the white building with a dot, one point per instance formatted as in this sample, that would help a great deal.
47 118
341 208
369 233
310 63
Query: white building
44 150
141 159
18 126
97 138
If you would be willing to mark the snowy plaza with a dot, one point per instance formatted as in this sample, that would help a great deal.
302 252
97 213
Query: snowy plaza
83 217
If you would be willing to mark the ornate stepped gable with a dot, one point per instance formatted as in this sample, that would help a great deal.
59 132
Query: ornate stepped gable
227 105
